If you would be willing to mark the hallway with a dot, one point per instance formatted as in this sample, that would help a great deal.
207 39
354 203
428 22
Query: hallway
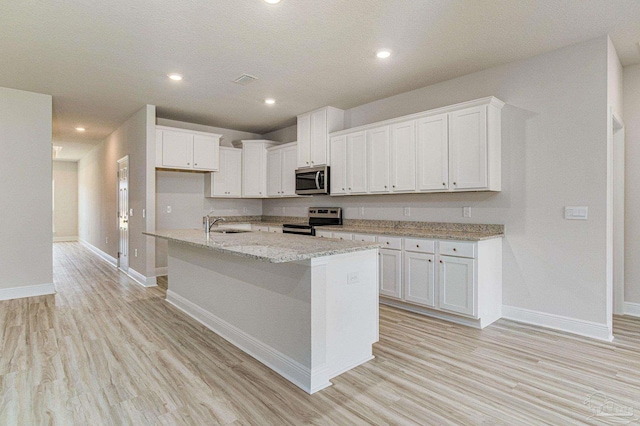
105 350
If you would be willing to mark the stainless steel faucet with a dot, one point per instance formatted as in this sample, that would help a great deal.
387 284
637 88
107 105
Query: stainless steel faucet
208 224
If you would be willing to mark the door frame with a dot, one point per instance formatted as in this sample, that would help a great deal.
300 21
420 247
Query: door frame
124 159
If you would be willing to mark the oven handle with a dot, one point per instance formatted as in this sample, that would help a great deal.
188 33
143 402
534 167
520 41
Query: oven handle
318 180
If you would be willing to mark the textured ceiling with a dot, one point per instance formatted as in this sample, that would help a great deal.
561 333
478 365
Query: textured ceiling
103 60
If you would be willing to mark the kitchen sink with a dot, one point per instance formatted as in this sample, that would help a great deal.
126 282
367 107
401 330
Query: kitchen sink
229 231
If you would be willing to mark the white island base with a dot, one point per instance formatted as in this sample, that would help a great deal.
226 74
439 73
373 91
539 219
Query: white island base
308 320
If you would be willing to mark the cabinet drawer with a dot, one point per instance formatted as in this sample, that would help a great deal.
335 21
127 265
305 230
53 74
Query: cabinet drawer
458 248
393 243
364 238
260 228
343 236
419 245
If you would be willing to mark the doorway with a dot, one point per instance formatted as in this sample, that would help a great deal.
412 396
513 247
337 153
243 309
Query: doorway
123 213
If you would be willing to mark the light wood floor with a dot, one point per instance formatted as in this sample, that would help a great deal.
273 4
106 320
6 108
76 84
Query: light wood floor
105 350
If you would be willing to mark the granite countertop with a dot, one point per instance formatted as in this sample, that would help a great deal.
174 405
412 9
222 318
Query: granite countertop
269 247
436 234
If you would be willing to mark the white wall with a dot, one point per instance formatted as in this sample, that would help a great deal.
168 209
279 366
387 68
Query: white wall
228 135
25 188
554 134
632 182
184 193
65 201
284 135
97 182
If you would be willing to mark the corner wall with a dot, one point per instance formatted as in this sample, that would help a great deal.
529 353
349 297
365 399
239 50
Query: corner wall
26 258
554 141
97 183
65 202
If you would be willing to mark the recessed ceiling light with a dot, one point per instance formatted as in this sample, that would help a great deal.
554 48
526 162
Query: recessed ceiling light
272 1
80 129
269 101
383 53
175 77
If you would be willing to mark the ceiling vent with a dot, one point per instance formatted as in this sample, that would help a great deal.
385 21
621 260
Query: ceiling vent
245 79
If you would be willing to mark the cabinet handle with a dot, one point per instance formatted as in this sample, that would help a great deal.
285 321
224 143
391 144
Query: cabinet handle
454 249
394 186
418 245
195 164
349 189
312 162
429 260
444 184
454 183
387 242
307 162
343 189
441 261
188 164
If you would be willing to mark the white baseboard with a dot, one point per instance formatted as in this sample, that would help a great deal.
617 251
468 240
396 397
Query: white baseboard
160 272
27 291
64 239
292 370
632 309
469 322
557 322
112 260
141 279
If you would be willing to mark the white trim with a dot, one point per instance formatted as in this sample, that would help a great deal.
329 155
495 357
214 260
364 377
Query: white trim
27 291
160 272
557 322
64 239
469 322
632 309
112 260
290 369
140 279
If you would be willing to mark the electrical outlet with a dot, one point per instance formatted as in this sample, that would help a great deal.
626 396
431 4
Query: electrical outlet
407 211
130 212
106 240
466 212
144 213
244 210
361 211
168 209
135 252
353 278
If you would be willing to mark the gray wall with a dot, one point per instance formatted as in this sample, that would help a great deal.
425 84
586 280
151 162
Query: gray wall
554 138
25 187
228 135
284 135
632 182
97 182
65 202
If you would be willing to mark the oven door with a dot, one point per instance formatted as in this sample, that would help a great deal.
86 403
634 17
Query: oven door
312 181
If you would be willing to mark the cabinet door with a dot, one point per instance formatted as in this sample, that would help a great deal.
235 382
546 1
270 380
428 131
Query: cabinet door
338 173
419 278
433 153
289 162
274 173
205 152
233 173
177 149
253 171
356 163
468 148
403 157
304 140
378 155
220 178
456 285
390 275
319 138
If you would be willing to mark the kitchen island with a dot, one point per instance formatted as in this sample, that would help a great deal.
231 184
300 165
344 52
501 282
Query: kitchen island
305 307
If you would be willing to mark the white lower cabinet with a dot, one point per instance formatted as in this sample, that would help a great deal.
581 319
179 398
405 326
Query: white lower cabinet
390 274
456 285
324 234
420 278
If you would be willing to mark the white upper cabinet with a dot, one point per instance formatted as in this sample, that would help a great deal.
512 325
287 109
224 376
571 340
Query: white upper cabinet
378 155
281 170
254 168
433 153
186 149
227 182
468 149
454 148
338 174
403 155
357 163
313 135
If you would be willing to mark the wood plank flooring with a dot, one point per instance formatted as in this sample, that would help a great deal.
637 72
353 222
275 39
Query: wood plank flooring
105 350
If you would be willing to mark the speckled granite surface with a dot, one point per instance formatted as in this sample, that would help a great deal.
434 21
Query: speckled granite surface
269 247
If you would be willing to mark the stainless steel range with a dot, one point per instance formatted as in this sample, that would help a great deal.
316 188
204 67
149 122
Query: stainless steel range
318 216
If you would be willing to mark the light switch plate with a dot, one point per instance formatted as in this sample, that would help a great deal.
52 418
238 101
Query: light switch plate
168 209
130 212
466 212
407 211
361 211
576 213
144 213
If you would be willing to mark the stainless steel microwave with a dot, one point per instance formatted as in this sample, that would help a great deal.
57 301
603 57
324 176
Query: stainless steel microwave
312 181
